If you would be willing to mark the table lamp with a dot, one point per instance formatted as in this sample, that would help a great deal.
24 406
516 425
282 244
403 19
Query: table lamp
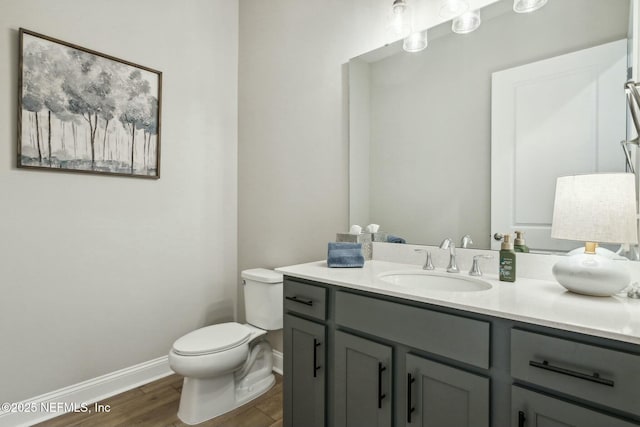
594 208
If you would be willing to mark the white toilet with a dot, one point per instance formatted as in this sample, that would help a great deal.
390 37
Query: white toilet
229 364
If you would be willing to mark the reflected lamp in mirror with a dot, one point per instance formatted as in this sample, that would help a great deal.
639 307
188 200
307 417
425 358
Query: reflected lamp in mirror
466 23
527 6
416 42
594 208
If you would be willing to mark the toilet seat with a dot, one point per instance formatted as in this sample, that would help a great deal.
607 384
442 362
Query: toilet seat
212 339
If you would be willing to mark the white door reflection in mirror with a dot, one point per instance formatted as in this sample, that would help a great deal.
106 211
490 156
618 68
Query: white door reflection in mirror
560 116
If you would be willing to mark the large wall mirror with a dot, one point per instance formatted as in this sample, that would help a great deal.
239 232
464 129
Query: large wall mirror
469 135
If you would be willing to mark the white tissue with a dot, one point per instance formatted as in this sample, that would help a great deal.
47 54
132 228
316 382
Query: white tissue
372 228
355 229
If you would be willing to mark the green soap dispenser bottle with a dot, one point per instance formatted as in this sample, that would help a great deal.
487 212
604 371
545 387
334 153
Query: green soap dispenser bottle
507 270
519 245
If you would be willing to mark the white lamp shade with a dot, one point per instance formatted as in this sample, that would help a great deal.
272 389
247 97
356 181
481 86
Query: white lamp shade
596 208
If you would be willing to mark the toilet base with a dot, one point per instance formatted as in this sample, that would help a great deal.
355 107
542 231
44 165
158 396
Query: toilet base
259 388
204 399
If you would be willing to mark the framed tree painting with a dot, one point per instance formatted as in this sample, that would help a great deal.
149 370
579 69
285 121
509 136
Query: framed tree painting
83 111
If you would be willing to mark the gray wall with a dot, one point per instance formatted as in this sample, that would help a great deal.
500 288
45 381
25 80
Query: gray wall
430 115
293 150
99 273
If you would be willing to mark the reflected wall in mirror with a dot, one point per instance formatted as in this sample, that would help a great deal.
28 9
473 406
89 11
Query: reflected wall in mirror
421 130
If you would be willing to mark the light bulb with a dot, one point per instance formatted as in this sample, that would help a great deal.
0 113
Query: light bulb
416 41
527 6
450 8
467 22
400 19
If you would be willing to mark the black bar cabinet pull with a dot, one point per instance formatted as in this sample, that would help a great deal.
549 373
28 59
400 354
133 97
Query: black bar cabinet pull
301 301
381 395
316 344
410 407
593 378
521 419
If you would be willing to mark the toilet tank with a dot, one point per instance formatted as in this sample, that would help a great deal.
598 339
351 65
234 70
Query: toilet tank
263 298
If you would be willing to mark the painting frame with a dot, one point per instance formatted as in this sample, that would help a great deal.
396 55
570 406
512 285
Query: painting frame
98 99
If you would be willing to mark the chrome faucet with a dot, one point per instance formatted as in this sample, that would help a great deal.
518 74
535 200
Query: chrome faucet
475 267
466 241
448 244
428 264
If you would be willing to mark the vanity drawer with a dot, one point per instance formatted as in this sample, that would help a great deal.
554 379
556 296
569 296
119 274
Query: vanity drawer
305 299
598 374
455 337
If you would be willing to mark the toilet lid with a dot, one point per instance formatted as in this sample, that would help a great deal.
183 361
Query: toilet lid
212 339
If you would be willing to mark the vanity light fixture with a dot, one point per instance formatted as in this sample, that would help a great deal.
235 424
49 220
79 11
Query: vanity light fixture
401 19
594 208
467 22
451 8
416 41
527 6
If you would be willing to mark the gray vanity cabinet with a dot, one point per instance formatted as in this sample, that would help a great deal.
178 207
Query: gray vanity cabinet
304 368
358 359
443 396
364 383
531 409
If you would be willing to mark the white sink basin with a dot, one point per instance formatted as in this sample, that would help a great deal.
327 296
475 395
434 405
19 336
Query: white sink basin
428 280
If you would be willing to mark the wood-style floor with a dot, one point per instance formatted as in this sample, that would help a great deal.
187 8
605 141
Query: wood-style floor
156 404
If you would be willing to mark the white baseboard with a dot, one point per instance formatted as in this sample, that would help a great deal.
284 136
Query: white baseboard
277 362
82 395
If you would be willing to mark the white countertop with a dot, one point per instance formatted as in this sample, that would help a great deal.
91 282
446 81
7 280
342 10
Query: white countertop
533 301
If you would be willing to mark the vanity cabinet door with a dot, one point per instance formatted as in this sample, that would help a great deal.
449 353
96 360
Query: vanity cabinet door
598 374
304 372
439 395
363 382
530 409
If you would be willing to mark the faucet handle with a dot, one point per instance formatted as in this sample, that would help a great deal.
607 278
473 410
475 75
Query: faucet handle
447 243
428 263
475 267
